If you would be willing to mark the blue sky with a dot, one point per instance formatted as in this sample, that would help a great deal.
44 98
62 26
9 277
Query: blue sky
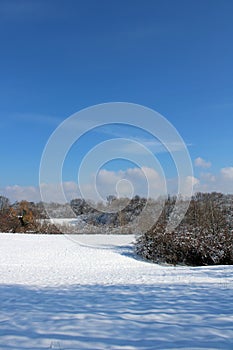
58 57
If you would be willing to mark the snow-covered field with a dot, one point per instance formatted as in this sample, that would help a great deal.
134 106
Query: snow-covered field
91 292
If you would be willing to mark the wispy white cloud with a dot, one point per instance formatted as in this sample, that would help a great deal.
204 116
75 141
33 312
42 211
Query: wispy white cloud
122 183
185 186
208 177
220 182
227 173
202 163
18 193
32 193
137 135
190 184
35 118
143 181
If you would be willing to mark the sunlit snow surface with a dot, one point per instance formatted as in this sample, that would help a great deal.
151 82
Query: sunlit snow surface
58 294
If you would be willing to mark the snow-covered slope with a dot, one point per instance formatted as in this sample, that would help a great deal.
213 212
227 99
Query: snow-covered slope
91 292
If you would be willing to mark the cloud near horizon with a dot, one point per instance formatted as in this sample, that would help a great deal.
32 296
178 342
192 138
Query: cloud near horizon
127 182
227 173
145 181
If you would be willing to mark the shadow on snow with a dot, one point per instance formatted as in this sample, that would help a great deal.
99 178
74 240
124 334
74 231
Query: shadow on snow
116 317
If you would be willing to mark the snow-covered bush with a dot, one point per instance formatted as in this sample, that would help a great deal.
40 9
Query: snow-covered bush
204 237
190 247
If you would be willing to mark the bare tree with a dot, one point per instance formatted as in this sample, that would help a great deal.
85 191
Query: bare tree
4 203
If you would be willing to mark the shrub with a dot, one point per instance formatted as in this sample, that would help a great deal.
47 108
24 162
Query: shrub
9 221
204 237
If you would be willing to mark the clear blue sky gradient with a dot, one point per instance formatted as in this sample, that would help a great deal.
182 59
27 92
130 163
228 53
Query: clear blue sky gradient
58 57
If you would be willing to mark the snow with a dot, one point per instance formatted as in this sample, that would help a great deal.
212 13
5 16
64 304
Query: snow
65 221
92 292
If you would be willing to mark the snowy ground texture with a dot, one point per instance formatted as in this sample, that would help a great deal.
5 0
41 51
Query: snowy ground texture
58 294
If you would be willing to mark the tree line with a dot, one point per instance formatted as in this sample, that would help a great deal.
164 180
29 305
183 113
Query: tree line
33 217
203 237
